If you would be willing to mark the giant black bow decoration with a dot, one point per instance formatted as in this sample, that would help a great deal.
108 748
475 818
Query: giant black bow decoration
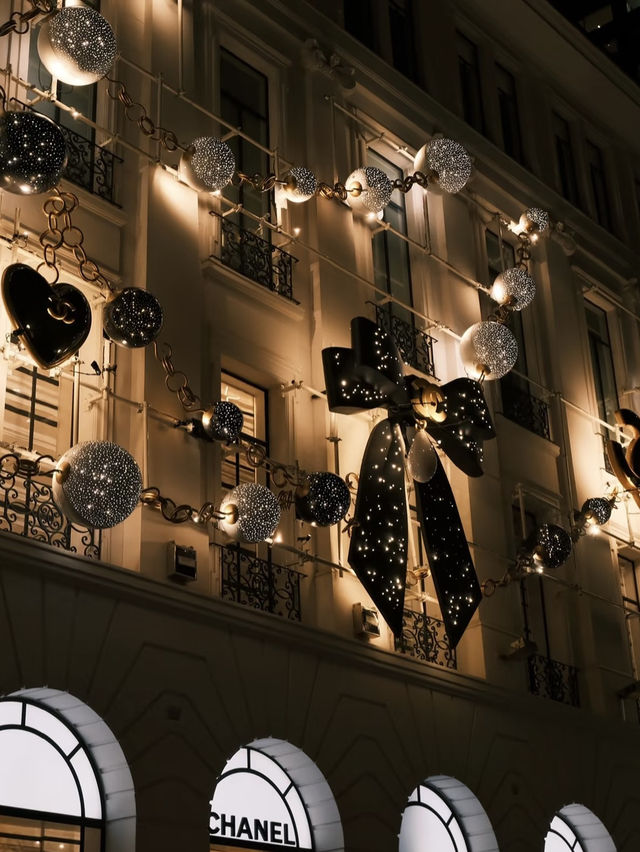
369 375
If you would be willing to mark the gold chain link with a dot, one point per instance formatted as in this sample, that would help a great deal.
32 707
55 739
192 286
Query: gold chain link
176 381
19 22
136 112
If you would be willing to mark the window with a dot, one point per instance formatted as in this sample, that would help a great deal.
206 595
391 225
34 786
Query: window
509 119
598 184
244 103
444 815
565 159
469 70
402 37
629 573
576 829
252 401
359 21
602 363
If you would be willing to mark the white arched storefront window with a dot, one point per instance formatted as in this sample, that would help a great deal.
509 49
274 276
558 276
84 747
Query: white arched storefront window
577 829
52 788
442 815
270 795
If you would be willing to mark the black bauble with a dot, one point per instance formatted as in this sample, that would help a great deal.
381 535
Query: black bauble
323 499
132 317
33 153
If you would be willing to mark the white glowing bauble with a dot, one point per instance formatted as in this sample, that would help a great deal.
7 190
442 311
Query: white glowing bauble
536 218
300 184
251 511
368 190
97 484
208 164
514 287
488 349
449 160
422 459
77 46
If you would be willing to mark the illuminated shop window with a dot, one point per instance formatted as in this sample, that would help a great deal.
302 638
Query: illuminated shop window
50 795
265 798
576 829
444 816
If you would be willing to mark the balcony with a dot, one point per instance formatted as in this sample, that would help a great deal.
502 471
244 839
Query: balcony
253 257
27 508
550 679
416 347
424 637
258 583
525 409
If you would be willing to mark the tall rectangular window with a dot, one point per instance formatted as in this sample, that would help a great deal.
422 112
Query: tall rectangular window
597 178
602 362
359 21
469 71
402 37
565 159
244 103
509 118
630 584
252 401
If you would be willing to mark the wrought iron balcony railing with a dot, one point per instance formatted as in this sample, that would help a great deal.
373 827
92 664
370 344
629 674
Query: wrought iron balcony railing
255 258
425 638
525 409
260 584
550 679
27 508
89 166
416 347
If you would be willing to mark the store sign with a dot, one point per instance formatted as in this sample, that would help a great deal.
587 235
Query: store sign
256 804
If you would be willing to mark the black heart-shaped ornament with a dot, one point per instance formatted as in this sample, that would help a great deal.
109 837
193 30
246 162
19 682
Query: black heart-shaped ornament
52 321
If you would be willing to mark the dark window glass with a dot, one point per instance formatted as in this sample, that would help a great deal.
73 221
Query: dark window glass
244 103
565 160
629 572
359 21
391 252
602 363
637 185
509 120
469 70
402 37
598 185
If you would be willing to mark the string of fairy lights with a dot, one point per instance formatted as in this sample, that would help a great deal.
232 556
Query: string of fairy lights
98 483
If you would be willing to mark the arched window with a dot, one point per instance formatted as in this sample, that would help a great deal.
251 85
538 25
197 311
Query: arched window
271 795
444 816
55 781
576 829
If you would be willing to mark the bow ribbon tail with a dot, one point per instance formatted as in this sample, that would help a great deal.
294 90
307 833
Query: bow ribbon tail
452 568
378 549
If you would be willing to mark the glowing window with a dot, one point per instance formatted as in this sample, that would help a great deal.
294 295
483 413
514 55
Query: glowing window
576 829
442 815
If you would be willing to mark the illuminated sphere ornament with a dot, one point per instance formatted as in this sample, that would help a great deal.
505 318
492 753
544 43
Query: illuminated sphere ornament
300 184
208 164
536 218
77 46
33 153
97 484
132 317
514 287
550 546
323 499
597 510
223 421
488 349
252 513
449 160
368 190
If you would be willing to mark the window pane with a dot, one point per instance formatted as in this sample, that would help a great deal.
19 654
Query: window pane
602 363
565 159
402 37
469 71
598 185
251 400
358 21
509 120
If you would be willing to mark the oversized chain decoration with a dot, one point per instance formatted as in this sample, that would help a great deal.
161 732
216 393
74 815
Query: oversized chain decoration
19 22
62 232
176 381
136 112
179 514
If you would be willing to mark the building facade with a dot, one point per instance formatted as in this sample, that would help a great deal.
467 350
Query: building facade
168 650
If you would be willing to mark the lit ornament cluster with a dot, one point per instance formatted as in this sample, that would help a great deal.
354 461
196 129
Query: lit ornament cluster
97 484
132 317
368 189
300 184
514 288
33 153
252 513
597 510
488 349
451 162
323 499
77 46
223 421
538 217
208 164
550 546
